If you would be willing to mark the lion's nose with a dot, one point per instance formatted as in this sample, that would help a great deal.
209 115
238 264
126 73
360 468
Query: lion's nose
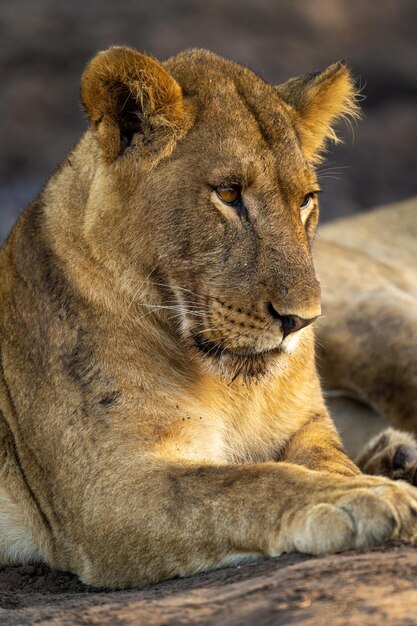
289 323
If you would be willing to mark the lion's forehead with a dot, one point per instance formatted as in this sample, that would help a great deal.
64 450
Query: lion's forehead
231 91
240 115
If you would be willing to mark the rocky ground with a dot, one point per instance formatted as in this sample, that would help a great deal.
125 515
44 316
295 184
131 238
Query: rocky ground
44 45
353 589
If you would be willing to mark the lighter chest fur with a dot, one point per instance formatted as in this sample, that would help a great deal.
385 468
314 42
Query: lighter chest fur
245 427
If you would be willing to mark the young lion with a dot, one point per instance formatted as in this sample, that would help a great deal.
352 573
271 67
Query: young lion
160 408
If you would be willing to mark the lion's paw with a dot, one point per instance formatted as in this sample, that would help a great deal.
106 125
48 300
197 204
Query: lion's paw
366 512
393 454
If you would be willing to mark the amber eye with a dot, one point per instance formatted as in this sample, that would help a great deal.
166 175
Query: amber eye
229 195
308 201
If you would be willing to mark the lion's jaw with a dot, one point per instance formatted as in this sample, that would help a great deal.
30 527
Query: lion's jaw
233 342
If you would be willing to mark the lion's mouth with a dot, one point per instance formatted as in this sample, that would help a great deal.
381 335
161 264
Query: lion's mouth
247 363
216 350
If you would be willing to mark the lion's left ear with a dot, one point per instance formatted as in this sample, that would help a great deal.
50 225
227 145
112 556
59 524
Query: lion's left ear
318 101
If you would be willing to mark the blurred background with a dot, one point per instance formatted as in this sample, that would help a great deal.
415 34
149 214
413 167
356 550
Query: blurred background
45 44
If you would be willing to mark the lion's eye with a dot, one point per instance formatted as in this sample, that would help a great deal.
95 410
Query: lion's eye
308 201
229 195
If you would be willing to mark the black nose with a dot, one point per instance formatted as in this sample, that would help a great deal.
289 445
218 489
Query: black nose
289 323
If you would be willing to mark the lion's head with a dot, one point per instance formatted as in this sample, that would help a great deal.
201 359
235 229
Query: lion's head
205 193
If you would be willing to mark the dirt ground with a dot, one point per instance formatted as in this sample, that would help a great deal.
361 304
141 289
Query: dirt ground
373 587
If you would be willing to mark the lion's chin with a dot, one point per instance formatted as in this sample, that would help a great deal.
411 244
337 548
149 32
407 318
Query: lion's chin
231 365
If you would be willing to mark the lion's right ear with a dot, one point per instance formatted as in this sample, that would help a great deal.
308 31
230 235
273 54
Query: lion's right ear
131 100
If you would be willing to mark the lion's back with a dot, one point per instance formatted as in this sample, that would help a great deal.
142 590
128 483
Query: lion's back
387 234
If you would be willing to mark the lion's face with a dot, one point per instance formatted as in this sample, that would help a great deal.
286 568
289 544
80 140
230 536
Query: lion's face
229 215
234 235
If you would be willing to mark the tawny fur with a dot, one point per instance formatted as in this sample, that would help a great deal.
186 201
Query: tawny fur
368 270
133 450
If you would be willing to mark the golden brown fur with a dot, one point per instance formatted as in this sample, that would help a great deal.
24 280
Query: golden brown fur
154 419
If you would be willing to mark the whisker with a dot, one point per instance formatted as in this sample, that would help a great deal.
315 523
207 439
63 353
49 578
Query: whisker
206 330
156 308
216 347
194 293
329 176
191 313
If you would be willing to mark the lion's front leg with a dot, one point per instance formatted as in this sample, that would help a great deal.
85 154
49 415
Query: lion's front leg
318 446
151 522
373 509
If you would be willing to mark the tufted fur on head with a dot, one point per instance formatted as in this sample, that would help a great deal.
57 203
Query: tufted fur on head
318 101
